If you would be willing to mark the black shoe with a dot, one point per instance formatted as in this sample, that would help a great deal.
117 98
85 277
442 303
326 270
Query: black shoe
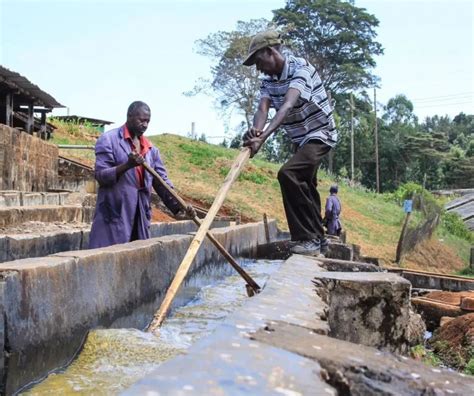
309 248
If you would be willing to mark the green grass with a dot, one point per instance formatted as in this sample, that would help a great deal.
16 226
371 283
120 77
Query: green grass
469 369
428 357
198 169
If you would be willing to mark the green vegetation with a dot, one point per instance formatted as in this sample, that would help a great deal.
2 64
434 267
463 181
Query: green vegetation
340 40
454 225
469 369
419 352
459 358
372 220
74 129
74 133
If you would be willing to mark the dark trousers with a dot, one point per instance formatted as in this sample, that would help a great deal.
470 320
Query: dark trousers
298 181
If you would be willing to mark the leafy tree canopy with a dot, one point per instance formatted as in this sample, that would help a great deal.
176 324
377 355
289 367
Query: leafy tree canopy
337 37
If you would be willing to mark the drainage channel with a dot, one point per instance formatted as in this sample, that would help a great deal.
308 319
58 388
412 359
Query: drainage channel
113 359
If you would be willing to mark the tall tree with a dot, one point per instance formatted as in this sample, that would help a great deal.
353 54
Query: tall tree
337 37
399 110
235 87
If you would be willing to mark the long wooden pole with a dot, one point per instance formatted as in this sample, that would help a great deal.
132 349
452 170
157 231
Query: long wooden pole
331 152
253 285
377 166
352 137
398 255
198 238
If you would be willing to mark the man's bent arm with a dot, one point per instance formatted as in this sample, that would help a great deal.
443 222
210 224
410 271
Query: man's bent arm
291 98
260 117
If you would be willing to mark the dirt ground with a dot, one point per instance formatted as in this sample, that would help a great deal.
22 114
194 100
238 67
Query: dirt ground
453 298
454 341
158 215
432 255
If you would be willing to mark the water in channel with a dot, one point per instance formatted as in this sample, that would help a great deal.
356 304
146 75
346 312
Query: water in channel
113 359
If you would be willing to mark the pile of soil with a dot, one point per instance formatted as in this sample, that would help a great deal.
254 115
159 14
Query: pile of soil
158 215
452 298
432 255
454 341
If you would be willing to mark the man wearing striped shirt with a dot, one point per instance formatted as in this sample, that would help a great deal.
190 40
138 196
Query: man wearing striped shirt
293 87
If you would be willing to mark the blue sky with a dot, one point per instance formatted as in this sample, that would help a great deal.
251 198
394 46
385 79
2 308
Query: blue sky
97 56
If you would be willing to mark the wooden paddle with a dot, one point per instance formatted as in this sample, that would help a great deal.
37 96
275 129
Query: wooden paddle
198 238
251 286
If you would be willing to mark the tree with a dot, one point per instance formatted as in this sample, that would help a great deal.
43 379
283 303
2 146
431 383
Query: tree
399 110
234 86
337 37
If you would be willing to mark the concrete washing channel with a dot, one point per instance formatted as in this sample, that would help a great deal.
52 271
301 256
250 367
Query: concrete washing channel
319 327
50 303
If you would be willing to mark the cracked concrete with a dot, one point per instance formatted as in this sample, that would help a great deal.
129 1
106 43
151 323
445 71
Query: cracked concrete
257 349
371 308
358 370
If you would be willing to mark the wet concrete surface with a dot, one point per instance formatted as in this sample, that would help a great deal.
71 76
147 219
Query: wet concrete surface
285 327
357 370
50 303
112 359
228 363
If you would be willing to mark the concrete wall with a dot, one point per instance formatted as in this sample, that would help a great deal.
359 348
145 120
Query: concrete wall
50 303
21 198
74 177
11 217
27 163
20 246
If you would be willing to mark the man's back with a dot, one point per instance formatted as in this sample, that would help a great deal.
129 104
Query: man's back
312 116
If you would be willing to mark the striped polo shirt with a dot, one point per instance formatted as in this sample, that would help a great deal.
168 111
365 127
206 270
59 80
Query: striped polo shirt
311 118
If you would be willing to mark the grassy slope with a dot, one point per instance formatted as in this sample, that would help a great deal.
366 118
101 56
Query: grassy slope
197 169
70 133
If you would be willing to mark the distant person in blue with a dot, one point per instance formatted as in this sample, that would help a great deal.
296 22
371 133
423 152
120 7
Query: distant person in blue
332 212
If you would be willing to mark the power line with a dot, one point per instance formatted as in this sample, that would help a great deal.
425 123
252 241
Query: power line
447 100
443 104
443 97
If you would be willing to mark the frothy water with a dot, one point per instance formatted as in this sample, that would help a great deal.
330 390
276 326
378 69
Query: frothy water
113 359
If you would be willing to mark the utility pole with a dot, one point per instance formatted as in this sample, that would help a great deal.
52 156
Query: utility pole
351 104
331 152
377 170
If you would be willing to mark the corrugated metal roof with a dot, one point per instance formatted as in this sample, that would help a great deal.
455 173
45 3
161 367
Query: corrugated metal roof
17 81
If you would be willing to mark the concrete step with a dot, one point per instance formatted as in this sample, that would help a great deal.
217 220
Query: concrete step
280 250
15 215
23 198
22 246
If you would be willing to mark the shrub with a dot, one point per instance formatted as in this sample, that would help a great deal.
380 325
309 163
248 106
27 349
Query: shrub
453 224
469 369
